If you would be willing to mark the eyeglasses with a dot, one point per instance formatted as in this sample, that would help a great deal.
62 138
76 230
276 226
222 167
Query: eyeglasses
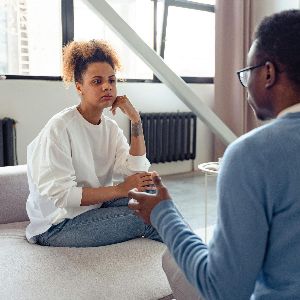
244 74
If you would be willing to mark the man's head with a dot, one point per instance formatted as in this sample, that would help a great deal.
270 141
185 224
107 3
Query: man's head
278 40
275 60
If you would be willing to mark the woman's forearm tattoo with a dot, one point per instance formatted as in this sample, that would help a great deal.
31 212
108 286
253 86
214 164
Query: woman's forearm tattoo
136 129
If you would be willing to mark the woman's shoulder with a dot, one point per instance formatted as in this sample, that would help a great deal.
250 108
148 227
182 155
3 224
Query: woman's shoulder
60 121
64 116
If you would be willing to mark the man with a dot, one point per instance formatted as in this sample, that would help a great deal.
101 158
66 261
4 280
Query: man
254 252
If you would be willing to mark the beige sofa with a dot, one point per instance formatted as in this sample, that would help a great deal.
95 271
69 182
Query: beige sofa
129 270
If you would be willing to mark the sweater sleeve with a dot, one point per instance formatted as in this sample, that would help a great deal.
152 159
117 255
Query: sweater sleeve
127 164
228 267
52 172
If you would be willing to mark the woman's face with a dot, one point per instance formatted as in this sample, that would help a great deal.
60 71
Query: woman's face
98 88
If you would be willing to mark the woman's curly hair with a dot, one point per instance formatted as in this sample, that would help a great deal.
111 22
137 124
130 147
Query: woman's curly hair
77 55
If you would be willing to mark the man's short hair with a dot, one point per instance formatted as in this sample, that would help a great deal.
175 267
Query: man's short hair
278 40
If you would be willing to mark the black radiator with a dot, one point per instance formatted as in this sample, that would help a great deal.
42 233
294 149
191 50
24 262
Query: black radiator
170 136
8 154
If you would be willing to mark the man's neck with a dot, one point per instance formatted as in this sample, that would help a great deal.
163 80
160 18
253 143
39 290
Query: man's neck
290 109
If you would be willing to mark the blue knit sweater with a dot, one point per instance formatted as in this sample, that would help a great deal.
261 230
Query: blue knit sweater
255 249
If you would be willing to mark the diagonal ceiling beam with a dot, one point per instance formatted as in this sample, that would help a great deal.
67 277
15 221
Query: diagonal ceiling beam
161 70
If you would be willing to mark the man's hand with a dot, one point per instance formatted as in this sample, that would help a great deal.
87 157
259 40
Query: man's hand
143 203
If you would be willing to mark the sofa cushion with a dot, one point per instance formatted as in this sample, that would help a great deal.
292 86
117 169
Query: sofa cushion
129 270
13 194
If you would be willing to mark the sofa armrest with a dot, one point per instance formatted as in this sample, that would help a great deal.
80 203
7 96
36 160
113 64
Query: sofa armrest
13 194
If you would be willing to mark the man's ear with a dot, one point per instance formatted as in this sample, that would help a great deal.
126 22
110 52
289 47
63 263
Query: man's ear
270 74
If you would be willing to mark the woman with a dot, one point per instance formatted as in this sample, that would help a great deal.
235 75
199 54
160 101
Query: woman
72 162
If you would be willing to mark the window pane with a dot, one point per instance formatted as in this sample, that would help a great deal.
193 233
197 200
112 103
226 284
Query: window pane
30 32
190 43
137 13
211 2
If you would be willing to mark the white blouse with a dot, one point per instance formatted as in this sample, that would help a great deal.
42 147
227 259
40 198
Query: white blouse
68 154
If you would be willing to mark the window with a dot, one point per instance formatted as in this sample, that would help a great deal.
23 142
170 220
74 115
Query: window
31 37
137 13
181 31
190 42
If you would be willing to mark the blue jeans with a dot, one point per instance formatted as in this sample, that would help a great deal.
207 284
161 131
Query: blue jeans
112 223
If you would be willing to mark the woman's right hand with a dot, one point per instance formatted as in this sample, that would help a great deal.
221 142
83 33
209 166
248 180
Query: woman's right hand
141 181
126 107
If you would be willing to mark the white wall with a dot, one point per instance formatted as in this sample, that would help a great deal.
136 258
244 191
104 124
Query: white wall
31 103
262 8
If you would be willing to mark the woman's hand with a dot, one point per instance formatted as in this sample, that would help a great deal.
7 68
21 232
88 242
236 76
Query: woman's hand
141 181
143 203
126 107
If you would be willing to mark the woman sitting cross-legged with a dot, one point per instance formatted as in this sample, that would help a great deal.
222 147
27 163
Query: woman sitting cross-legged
73 160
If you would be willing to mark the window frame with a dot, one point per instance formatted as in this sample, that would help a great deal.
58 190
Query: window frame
67 21
181 4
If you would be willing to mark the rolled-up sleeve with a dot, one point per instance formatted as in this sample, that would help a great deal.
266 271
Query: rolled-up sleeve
126 164
138 163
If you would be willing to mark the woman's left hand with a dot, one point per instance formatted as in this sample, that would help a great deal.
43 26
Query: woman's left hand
126 107
143 203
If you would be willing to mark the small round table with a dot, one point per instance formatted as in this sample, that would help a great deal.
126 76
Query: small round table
209 169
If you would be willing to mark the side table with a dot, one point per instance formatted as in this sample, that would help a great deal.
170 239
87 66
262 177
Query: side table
209 169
